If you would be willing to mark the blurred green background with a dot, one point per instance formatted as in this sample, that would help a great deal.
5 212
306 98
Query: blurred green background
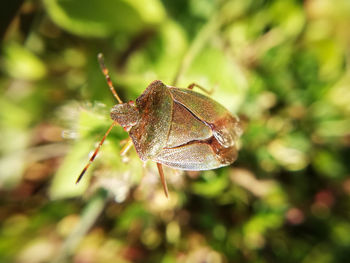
282 66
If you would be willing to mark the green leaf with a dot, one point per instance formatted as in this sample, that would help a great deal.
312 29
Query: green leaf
214 185
63 184
21 63
213 69
94 18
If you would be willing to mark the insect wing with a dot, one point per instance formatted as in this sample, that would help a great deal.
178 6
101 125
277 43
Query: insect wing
225 127
197 156
186 128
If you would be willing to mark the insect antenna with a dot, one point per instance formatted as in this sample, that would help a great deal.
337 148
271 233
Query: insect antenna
95 153
105 72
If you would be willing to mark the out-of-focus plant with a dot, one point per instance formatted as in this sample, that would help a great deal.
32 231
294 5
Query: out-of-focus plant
282 66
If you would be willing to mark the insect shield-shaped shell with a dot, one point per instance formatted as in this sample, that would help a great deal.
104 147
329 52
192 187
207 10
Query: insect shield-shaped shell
180 128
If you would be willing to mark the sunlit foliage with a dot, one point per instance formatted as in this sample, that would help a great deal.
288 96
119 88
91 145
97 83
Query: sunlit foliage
282 66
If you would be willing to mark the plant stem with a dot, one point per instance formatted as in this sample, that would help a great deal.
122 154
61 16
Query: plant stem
89 216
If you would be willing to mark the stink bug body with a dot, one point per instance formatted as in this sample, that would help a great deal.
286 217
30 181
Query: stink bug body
176 127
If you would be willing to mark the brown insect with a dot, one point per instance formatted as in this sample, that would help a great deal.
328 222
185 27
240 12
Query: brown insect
176 127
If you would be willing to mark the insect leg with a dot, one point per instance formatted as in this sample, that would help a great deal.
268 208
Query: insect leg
95 153
191 86
126 147
105 72
162 179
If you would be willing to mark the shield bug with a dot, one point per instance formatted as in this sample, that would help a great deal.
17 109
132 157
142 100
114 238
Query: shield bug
176 127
